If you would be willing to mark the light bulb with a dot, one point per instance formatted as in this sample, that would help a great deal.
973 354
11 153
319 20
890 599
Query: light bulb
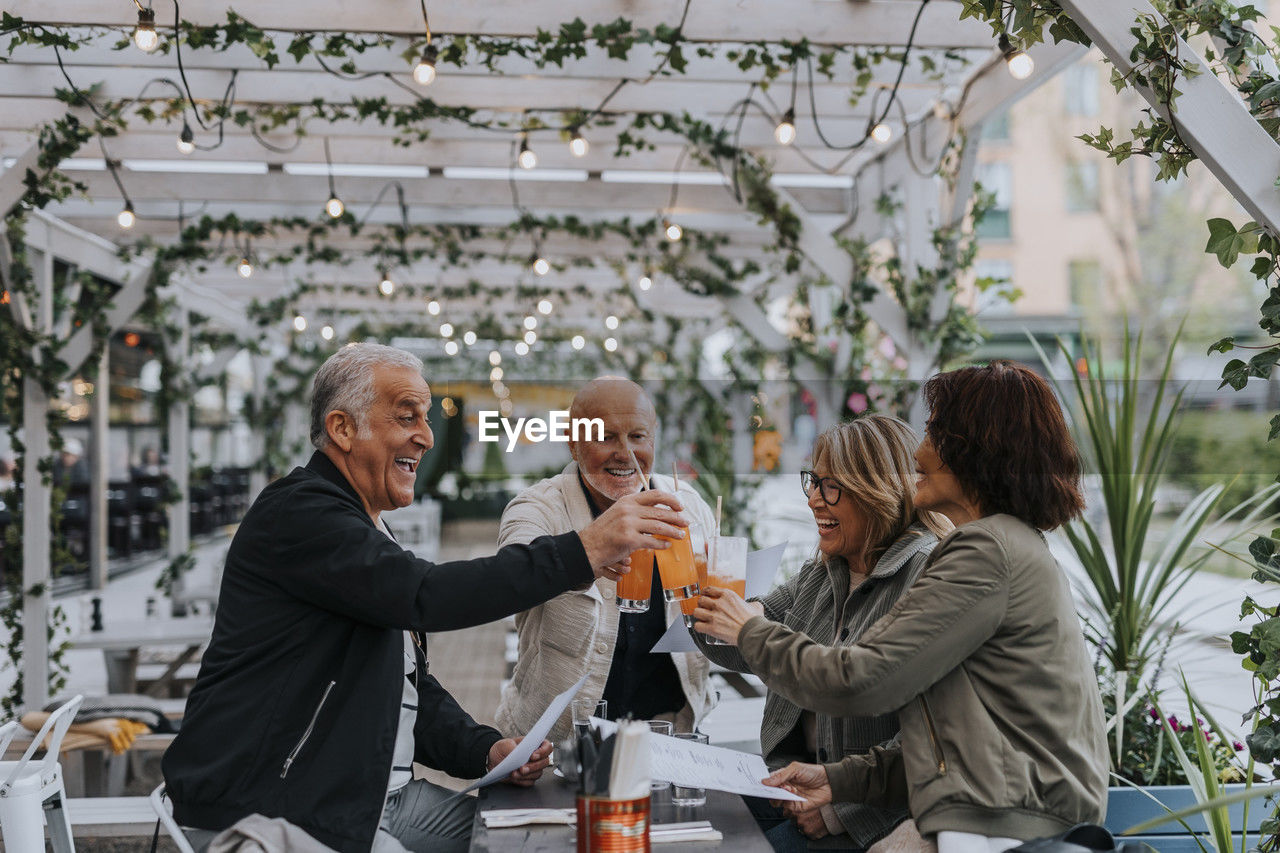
785 132
610 344
674 231
186 139
451 347
244 268
611 322
541 266
300 323
577 144
531 322
326 332
126 217
882 133
495 375
495 357
334 206
522 348
527 158
424 73
645 282
446 330
387 286
530 337
1020 65
145 35
433 308
578 342
545 306
469 338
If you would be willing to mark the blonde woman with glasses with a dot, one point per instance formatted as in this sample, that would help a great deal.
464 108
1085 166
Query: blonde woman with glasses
872 543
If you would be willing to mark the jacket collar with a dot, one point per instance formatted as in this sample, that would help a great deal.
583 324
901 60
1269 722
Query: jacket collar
916 539
323 465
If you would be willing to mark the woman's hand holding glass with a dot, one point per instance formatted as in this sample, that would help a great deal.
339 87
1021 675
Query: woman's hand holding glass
722 613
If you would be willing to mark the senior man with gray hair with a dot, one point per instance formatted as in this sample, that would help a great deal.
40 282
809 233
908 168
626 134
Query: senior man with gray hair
314 697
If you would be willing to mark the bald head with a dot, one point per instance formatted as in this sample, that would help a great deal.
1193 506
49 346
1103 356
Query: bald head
620 464
610 393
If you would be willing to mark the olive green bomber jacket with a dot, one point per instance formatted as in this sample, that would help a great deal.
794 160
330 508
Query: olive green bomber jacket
983 658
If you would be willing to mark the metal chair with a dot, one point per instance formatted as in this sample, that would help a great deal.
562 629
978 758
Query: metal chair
32 792
166 820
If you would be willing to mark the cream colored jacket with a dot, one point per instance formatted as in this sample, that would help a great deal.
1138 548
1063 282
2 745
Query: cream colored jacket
575 632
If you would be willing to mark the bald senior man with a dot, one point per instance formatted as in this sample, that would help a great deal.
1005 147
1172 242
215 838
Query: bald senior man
314 698
582 631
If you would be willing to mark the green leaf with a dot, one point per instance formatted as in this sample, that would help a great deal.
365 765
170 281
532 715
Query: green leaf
1264 743
1228 243
1235 374
1275 429
1223 344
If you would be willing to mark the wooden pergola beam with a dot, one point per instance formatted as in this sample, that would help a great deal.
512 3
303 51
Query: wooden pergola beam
868 22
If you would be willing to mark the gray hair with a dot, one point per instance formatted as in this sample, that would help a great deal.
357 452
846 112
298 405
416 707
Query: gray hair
345 382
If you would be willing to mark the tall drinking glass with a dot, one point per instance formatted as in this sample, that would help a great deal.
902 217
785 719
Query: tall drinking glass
681 796
584 710
659 727
676 567
699 544
634 587
729 571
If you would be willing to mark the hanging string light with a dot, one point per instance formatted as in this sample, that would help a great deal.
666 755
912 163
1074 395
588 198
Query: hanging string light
645 282
469 338
610 344
386 287
530 337
531 322
540 265
334 206
881 132
245 267
578 342
446 330
527 159
326 332
144 34
785 132
577 143
433 308
300 323
451 347
611 322
1017 60
495 358
522 348
126 217
186 139
673 231
424 73
544 307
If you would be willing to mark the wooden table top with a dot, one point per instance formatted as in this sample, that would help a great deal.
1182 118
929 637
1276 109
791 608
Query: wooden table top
727 813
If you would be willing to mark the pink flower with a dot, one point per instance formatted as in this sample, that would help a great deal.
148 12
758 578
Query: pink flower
857 402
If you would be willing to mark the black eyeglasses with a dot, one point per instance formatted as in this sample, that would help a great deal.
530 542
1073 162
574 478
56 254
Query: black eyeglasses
830 489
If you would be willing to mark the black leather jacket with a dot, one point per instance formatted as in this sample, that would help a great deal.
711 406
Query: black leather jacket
294 712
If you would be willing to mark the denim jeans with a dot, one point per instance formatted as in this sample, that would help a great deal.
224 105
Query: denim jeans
423 816
782 834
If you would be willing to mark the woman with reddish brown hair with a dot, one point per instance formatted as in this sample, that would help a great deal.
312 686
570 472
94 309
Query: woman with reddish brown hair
983 658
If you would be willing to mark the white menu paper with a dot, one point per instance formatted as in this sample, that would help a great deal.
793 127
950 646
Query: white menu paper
699 765
532 740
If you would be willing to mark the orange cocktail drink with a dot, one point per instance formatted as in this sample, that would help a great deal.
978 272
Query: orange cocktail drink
634 587
687 605
729 571
675 566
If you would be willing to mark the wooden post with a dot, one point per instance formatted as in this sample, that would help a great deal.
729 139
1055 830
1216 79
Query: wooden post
98 475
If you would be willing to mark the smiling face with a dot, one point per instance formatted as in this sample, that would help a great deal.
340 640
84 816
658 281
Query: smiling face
629 424
842 529
381 460
937 488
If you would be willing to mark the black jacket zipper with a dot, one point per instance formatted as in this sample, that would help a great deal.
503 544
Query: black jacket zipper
933 737
288 762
